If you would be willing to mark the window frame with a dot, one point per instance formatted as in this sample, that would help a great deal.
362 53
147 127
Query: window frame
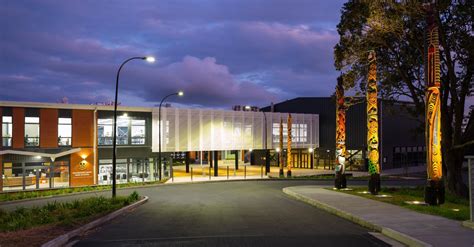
64 137
9 125
36 139
136 123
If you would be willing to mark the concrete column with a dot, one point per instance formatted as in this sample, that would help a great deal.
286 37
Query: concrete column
216 163
236 159
267 161
209 158
300 159
187 162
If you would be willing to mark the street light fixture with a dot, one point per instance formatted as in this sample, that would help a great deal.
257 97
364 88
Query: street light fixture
179 93
150 59
114 144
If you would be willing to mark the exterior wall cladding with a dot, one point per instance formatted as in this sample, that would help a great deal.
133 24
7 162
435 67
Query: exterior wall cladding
48 145
400 133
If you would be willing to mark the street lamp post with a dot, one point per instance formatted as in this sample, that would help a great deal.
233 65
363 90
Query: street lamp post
267 158
180 93
114 144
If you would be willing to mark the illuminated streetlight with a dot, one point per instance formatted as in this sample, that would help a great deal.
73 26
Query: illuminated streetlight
114 144
179 93
150 59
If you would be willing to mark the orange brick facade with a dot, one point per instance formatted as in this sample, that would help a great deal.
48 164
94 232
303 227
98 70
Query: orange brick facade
82 128
18 136
82 170
82 167
48 128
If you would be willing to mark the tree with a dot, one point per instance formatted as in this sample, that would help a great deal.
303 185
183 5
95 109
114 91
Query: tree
395 30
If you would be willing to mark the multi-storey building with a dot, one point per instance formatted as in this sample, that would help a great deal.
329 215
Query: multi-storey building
47 145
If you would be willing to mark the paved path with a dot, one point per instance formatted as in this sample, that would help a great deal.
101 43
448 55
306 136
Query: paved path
434 230
250 213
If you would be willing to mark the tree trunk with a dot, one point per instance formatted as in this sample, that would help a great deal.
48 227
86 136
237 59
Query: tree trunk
453 161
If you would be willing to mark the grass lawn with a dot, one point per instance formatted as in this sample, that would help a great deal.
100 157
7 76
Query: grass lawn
40 224
12 196
455 208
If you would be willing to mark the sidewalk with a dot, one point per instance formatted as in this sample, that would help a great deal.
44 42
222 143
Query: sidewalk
200 178
406 226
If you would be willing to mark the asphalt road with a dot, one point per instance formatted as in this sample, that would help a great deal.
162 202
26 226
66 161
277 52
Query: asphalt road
250 213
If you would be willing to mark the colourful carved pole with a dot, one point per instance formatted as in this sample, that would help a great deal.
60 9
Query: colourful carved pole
280 155
434 191
340 181
373 126
289 157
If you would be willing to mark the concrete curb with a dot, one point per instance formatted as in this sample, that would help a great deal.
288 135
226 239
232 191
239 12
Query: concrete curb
398 236
65 238
217 181
468 224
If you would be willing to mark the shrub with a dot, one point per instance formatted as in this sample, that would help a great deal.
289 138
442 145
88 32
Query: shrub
66 214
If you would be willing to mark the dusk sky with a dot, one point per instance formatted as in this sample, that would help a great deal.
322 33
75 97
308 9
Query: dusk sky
221 53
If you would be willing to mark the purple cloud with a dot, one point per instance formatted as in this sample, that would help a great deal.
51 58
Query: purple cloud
220 52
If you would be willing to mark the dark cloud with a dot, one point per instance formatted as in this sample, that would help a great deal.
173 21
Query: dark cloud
220 52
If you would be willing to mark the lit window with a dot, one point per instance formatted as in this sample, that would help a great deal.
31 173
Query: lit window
104 131
64 131
7 131
138 132
122 130
32 131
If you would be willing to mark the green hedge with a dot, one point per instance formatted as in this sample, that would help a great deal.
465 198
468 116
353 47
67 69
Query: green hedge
12 196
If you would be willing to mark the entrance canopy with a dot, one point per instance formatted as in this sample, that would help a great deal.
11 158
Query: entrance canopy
205 130
52 156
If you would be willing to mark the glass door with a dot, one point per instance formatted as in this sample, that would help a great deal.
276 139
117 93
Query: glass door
37 176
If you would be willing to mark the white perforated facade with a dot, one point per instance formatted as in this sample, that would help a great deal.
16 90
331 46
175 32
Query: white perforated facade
204 130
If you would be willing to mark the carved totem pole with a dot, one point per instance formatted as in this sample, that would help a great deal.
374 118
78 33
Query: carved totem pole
340 181
373 126
280 155
289 157
434 191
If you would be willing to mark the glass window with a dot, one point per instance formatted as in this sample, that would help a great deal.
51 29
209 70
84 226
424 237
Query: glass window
303 132
105 171
105 133
32 131
138 132
122 130
165 132
7 131
299 133
64 131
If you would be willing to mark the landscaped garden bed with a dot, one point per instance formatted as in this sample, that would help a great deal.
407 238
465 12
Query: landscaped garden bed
455 207
37 225
21 195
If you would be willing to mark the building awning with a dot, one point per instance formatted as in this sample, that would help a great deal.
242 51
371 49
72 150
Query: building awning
52 156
